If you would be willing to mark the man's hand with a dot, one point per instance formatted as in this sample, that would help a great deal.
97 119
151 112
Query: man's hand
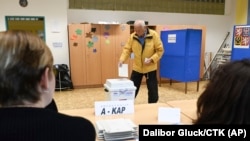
120 63
147 61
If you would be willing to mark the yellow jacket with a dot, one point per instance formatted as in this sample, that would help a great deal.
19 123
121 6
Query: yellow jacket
153 48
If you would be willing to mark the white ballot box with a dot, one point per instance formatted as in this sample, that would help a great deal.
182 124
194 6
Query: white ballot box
120 89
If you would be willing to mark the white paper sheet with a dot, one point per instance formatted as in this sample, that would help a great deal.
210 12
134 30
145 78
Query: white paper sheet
169 115
123 70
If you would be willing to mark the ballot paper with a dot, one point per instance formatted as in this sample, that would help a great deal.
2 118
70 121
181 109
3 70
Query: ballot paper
169 115
123 70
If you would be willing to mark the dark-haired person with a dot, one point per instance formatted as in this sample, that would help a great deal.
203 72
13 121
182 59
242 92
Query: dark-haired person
27 85
226 97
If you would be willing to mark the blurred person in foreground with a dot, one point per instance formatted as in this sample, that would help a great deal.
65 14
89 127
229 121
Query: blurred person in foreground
147 47
27 85
226 97
52 106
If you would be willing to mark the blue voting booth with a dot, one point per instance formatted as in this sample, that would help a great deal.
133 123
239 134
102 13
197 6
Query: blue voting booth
181 59
240 45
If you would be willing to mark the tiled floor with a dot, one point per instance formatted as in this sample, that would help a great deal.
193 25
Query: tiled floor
85 98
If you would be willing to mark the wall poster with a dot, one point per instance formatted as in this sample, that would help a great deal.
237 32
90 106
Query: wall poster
241 36
28 23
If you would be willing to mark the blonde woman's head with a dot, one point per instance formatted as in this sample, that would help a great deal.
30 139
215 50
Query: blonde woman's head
24 57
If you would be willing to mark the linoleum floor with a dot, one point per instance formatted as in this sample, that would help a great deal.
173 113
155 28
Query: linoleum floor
85 98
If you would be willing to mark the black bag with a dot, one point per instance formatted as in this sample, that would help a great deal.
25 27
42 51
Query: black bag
63 79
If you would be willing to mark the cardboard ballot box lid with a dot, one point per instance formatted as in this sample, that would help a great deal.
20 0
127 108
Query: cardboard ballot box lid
119 83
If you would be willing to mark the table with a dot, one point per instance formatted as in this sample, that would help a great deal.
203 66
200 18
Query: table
144 114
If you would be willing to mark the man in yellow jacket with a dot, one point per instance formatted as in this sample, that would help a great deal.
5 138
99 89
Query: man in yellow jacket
147 47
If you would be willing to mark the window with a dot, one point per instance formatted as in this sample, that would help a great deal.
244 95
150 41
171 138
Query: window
215 7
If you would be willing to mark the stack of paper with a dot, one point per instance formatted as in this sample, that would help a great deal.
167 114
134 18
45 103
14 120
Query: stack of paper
116 129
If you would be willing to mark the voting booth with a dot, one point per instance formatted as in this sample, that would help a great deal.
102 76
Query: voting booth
120 89
181 61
